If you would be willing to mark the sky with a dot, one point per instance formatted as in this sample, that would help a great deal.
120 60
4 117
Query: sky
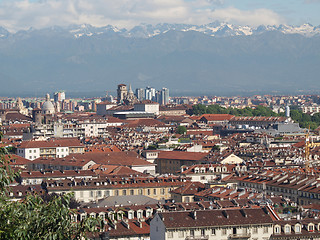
23 14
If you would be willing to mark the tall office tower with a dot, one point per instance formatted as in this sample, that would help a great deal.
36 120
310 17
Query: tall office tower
150 93
164 96
287 111
122 92
59 96
140 93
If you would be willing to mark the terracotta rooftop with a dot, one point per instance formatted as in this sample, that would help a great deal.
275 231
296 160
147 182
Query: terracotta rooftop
216 218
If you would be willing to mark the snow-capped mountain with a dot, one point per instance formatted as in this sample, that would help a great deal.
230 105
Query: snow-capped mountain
215 29
216 57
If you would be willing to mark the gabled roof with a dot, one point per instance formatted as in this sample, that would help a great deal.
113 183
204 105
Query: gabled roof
15 160
212 218
111 158
52 143
189 189
178 155
217 117
144 122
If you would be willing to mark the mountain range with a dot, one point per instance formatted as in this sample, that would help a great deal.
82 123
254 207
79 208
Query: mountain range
216 58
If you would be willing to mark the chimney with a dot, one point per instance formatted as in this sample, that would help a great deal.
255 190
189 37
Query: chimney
194 214
225 214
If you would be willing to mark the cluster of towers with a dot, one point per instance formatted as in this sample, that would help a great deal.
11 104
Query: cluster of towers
149 93
128 97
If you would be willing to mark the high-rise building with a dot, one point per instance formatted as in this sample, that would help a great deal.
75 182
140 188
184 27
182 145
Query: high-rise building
164 96
140 93
150 93
59 96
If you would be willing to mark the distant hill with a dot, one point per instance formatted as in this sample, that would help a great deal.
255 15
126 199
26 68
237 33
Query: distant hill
217 58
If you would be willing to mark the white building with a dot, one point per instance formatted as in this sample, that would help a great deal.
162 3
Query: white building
103 107
147 106
51 149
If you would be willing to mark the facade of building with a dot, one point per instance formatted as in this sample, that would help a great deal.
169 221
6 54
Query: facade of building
147 106
51 149
92 190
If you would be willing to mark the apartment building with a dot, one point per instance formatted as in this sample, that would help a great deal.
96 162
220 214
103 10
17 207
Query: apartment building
87 190
255 223
53 148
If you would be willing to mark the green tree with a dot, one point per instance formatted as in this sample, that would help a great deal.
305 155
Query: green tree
181 130
34 218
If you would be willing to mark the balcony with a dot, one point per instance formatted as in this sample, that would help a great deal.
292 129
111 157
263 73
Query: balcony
240 236
204 237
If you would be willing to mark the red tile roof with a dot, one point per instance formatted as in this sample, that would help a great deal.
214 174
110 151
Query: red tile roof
178 155
52 143
217 117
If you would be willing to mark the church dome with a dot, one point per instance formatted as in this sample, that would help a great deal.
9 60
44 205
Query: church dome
48 107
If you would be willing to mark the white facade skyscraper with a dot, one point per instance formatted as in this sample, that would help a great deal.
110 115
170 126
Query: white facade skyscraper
164 96
150 93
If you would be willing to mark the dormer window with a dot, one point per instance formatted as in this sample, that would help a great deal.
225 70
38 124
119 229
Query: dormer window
277 230
310 227
297 228
287 229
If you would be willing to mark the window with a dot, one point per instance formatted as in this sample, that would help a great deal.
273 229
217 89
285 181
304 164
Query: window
298 228
91 193
30 151
203 232
162 191
116 192
224 231
124 192
213 231
148 191
140 191
131 192
287 229
310 228
99 194
181 234
170 234
265 229
106 193
34 151
192 233
277 229
255 230
155 191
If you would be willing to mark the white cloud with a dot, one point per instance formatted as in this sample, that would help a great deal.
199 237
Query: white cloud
23 14
250 17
